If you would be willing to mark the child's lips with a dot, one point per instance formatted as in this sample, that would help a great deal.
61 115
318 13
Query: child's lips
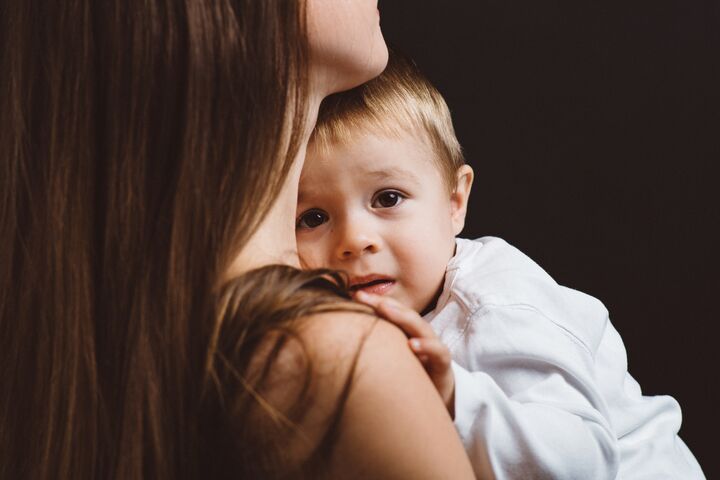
374 284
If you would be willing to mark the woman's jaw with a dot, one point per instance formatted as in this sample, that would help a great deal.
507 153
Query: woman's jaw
346 45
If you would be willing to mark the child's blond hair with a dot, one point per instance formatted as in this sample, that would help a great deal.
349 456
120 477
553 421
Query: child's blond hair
400 101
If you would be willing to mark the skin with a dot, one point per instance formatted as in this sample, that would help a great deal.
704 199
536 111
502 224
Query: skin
346 49
393 423
377 208
345 42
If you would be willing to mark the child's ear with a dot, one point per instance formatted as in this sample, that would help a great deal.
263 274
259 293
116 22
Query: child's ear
459 198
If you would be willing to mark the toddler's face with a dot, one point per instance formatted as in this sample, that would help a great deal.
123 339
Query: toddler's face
378 209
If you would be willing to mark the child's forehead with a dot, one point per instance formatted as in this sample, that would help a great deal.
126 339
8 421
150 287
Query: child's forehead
369 158
381 138
375 156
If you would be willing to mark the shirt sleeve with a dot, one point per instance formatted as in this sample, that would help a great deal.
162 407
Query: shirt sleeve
526 402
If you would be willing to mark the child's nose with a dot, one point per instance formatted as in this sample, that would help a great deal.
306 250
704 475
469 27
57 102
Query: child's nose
355 241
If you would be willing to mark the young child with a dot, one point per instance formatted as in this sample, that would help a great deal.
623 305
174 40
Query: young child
538 383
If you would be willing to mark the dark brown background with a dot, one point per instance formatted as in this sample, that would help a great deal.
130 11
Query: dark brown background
594 131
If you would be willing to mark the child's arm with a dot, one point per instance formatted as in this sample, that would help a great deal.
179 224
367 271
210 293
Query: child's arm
530 406
534 410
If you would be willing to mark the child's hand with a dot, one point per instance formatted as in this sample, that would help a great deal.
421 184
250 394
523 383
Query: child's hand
431 352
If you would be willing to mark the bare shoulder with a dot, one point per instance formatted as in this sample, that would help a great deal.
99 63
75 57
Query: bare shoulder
303 372
344 336
394 424
339 348
365 384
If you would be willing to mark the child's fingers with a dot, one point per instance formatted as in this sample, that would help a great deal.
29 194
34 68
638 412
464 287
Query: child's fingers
405 318
371 299
436 354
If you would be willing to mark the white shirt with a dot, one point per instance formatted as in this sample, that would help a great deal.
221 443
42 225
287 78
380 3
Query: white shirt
541 382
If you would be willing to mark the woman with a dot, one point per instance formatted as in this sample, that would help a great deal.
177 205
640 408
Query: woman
151 153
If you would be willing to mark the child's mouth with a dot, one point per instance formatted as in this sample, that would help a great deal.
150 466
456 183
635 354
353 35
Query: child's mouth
377 286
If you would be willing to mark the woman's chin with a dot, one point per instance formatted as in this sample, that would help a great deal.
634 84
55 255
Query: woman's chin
353 73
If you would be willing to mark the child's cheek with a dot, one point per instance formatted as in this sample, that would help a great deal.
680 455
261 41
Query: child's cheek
310 255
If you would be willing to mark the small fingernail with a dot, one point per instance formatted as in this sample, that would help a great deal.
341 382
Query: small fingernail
415 344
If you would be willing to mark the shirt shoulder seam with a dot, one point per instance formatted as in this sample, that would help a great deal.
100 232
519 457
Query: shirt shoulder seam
485 307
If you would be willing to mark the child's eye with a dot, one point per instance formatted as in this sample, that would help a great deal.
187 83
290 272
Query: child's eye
387 199
311 219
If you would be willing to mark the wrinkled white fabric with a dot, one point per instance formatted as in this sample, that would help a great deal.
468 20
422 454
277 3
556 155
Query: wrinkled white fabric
541 382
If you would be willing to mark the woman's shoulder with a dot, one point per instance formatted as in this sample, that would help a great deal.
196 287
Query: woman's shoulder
325 356
319 384
365 374
344 336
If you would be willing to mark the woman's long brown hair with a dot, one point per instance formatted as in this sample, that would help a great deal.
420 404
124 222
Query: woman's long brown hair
139 149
